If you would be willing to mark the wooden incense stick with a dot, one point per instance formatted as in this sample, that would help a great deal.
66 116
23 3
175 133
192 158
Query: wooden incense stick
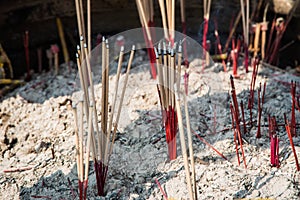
88 145
264 28
89 26
92 92
121 100
77 140
62 40
79 18
110 123
145 19
183 146
190 143
164 20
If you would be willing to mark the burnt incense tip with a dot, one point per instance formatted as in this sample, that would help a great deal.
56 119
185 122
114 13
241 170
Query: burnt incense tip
103 39
156 54
77 56
78 47
106 41
159 48
175 45
164 48
74 105
122 49
172 52
85 45
179 48
133 48
81 38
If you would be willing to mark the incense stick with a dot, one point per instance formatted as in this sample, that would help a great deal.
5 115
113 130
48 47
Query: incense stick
89 26
183 146
116 93
121 100
190 144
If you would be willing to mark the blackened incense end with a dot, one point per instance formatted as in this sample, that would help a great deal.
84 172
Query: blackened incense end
156 53
133 48
159 48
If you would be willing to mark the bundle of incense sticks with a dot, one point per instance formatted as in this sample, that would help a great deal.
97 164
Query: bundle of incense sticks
281 28
191 181
274 142
260 103
183 23
167 9
146 14
168 75
234 108
99 140
206 12
237 134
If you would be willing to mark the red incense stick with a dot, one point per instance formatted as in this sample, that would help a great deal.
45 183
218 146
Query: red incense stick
26 46
292 144
293 117
209 145
243 117
258 133
161 189
219 46
234 133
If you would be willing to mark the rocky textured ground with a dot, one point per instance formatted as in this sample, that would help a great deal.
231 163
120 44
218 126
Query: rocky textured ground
37 141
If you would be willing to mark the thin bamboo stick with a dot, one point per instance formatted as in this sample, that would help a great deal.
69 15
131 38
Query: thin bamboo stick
236 22
77 140
81 168
82 19
164 21
110 124
172 28
264 27
121 99
143 19
89 26
179 58
103 98
190 143
78 14
92 91
87 155
243 17
183 146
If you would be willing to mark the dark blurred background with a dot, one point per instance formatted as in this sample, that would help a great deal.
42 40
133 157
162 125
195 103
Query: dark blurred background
113 16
